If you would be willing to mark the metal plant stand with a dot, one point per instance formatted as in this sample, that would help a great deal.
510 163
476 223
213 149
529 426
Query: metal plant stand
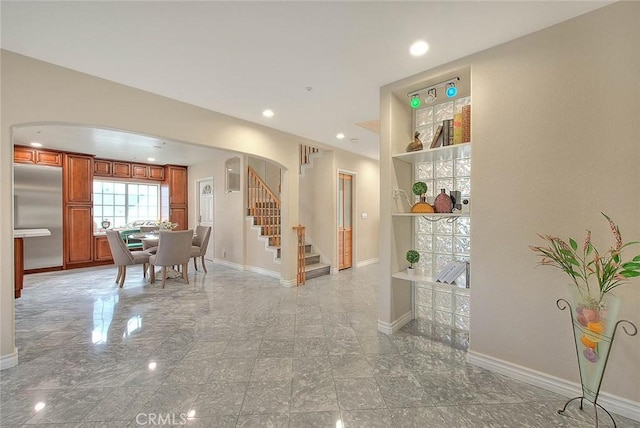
632 330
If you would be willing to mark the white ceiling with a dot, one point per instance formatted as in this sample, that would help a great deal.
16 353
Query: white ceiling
318 65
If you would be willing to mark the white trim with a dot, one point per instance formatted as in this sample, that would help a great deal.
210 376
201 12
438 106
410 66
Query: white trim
10 360
288 282
386 328
227 263
613 403
262 271
309 164
265 239
368 262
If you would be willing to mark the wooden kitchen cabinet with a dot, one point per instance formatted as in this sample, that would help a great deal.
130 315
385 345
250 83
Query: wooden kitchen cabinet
156 172
102 251
77 179
78 235
139 171
102 167
121 169
179 215
33 156
177 180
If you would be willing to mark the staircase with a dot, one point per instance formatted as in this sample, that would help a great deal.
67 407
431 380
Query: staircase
264 206
313 267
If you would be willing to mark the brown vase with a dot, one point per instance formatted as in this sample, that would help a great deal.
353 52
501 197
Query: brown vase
443 203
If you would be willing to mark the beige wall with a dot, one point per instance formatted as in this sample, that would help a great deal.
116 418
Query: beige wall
228 228
555 142
318 210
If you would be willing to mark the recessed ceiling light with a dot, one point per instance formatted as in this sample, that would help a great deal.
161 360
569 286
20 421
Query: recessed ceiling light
419 48
340 136
151 159
152 365
39 406
267 113
34 144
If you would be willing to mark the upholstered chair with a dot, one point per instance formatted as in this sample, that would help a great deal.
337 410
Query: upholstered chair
199 245
123 257
174 249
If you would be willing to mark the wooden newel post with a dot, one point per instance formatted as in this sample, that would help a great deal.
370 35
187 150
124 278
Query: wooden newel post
301 277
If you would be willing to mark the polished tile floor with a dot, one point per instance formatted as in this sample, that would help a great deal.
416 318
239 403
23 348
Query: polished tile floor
235 349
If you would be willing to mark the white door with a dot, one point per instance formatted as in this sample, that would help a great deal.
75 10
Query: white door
205 210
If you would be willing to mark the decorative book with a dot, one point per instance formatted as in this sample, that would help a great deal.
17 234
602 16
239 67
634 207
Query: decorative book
437 138
466 124
457 128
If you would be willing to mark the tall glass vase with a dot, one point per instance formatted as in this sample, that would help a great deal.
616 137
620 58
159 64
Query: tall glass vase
594 323
595 320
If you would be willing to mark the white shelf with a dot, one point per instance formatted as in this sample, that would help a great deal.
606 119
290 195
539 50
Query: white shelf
444 215
440 153
423 279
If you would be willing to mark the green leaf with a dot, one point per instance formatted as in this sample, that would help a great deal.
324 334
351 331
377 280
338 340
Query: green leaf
616 258
631 266
636 258
629 273
573 243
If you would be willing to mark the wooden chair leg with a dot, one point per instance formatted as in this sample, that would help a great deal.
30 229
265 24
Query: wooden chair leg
144 270
203 265
124 275
185 269
119 274
164 275
152 273
195 265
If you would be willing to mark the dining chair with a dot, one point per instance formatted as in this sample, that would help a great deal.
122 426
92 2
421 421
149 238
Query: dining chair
123 257
174 249
199 245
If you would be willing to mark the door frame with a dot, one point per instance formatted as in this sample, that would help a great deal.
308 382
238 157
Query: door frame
354 216
213 212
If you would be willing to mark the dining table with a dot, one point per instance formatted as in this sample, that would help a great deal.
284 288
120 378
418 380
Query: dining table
151 240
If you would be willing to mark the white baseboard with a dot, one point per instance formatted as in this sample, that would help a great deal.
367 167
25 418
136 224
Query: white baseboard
10 360
334 271
288 282
262 271
229 264
386 328
619 405
368 262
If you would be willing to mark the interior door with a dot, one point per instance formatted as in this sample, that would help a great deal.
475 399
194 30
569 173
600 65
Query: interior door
345 232
205 211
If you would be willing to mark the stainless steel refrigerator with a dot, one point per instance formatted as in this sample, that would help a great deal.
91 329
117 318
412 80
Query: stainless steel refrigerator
37 199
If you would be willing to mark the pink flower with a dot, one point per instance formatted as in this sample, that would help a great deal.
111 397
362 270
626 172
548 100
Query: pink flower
587 240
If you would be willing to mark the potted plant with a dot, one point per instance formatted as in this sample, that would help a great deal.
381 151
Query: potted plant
420 189
412 257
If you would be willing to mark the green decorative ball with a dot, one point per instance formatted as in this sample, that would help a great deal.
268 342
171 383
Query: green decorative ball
413 256
419 188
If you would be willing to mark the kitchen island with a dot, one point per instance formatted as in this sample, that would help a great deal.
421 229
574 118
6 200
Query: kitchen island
18 253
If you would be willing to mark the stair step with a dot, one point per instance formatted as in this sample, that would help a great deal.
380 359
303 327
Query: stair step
317 269
312 259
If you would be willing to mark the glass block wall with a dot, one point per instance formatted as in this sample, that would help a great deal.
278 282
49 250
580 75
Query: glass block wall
440 242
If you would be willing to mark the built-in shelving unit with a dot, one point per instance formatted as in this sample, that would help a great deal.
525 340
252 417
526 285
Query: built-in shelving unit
440 238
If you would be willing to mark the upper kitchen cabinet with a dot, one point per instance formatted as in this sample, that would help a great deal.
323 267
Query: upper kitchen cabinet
30 155
176 177
102 167
78 179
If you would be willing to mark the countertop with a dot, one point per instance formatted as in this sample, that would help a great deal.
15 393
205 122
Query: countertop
30 233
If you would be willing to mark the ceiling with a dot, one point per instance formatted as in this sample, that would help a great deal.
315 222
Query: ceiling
318 65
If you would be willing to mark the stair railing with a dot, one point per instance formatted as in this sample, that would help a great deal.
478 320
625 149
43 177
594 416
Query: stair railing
301 277
264 205
305 154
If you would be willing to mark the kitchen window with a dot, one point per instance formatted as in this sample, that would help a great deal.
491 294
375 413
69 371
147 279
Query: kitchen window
122 203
